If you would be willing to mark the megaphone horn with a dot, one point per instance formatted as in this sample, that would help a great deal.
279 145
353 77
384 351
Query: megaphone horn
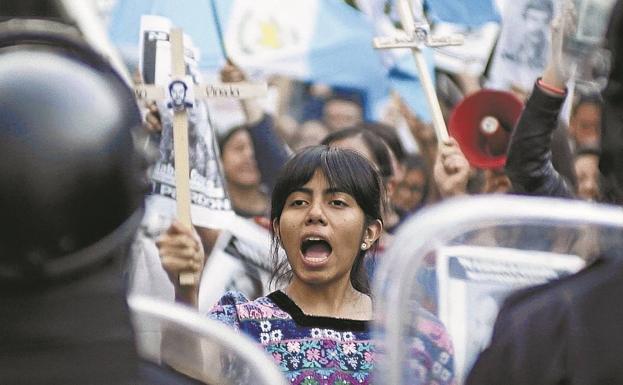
482 124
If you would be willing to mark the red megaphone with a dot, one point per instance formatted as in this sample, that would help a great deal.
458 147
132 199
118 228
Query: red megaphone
482 124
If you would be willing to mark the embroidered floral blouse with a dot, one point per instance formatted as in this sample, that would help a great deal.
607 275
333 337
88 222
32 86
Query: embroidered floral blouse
313 350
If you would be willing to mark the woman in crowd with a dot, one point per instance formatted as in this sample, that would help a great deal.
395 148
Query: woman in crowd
326 216
244 183
377 151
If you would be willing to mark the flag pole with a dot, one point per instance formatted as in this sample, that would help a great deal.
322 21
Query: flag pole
219 30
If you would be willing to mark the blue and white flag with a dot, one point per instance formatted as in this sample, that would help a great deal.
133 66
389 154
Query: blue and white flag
323 41
477 20
195 18
468 13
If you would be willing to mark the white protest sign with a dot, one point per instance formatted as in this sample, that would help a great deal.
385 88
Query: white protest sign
470 58
189 171
523 47
240 261
473 282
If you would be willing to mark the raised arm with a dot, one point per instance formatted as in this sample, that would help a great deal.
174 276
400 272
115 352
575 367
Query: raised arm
529 162
270 149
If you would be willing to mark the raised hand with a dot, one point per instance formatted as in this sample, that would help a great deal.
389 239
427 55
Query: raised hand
181 251
451 171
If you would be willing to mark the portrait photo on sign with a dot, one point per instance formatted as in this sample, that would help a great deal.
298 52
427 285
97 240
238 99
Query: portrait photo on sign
180 95
523 46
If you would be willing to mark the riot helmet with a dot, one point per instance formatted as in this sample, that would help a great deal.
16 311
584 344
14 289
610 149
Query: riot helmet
71 179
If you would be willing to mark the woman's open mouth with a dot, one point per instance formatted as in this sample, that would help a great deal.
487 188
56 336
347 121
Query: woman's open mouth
315 251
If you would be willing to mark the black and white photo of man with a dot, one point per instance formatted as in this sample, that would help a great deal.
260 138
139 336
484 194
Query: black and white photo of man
177 92
532 48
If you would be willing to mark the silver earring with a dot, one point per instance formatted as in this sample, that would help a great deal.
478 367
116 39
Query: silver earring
364 246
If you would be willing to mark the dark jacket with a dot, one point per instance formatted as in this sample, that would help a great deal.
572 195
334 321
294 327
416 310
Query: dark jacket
270 151
529 163
564 332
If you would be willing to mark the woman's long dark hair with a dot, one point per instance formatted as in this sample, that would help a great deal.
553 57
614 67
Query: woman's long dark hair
345 171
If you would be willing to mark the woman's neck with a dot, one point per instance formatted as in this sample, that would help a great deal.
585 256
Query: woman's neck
247 199
339 300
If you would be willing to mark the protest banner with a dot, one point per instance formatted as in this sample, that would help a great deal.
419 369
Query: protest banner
188 173
210 205
473 282
313 41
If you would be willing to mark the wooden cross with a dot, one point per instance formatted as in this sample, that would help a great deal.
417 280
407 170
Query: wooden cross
180 120
418 36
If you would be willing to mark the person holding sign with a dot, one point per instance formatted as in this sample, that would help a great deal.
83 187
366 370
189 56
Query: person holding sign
326 216
529 164
566 331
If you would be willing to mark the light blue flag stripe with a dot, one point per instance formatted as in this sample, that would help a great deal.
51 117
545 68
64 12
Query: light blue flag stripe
195 19
406 81
341 53
471 13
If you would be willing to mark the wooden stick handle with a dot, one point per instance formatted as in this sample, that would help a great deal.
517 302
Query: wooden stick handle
180 145
431 97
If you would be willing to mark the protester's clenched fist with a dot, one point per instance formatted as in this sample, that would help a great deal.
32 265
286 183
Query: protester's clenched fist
181 251
231 73
451 171
153 123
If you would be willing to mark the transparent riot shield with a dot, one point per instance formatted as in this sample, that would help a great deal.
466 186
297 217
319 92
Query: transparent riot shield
203 351
439 287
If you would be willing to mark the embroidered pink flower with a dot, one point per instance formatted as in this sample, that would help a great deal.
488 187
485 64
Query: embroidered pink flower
294 347
349 348
368 356
242 312
255 313
436 332
313 354
277 357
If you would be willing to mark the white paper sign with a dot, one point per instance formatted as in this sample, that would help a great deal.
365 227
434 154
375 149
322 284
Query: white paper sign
475 281
523 46
470 58
210 205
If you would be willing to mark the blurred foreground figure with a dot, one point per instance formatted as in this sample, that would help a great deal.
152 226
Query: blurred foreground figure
567 332
70 200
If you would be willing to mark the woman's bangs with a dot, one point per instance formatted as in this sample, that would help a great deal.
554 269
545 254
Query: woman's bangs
342 174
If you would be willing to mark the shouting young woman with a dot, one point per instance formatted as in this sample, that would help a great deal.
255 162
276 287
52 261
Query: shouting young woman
326 215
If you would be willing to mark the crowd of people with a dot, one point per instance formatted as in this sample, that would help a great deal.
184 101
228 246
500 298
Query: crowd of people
330 188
